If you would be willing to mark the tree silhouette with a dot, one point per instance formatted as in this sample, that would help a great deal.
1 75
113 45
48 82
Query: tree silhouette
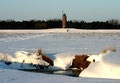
57 23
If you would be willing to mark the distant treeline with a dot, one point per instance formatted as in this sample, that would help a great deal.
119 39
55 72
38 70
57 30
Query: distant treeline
56 23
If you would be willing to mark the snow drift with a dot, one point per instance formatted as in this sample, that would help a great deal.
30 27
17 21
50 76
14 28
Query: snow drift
107 65
23 60
63 60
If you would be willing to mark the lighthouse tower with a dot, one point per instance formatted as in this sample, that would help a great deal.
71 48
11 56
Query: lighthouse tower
64 20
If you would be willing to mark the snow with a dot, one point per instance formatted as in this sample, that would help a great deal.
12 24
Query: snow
57 30
29 58
108 66
63 60
16 76
22 60
61 46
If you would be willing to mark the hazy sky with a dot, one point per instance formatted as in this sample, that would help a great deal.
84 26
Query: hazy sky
88 10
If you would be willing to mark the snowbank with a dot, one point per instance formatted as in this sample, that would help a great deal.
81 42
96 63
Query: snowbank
22 60
107 65
63 60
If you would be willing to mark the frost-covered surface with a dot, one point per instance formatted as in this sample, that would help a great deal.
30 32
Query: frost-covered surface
57 43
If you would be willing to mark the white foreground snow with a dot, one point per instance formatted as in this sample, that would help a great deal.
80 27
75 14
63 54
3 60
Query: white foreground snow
63 60
58 43
23 60
108 66
16 76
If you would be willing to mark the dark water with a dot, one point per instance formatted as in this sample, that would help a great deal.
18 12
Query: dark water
69 72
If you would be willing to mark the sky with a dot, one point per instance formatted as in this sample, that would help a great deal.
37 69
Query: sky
87 10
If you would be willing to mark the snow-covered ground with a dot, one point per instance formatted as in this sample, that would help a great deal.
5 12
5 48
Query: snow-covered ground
61 45
15 76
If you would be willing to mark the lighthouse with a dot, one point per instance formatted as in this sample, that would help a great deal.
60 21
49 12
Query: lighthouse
64 20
